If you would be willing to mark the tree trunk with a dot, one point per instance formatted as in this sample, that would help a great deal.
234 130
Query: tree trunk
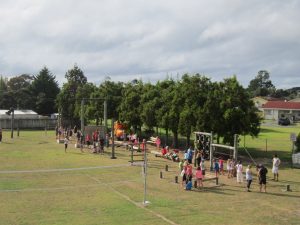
167 137
175 139
188 140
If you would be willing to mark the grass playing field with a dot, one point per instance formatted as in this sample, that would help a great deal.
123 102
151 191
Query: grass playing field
41 184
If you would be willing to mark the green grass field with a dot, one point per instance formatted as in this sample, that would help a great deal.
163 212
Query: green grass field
41 184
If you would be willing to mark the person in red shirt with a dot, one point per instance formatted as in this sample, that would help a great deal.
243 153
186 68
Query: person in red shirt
164 151
221 164
88 139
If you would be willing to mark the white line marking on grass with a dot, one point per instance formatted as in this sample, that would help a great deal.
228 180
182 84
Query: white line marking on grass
66 187
61 170
135 203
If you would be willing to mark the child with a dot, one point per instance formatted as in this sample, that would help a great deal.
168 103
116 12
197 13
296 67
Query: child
228 168
199 177
202 166
221 164
183 173
66 142
216 168
189 172
248 177
188 186
180 165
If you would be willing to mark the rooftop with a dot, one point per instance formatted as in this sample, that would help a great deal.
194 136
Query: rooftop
281 105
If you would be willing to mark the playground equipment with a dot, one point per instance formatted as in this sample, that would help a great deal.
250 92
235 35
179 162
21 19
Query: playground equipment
136 157
120 129
204 140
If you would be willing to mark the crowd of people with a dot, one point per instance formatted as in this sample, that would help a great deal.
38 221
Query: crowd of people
234 169
95 141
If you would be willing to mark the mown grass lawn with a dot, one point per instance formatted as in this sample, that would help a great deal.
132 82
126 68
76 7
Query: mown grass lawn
35 188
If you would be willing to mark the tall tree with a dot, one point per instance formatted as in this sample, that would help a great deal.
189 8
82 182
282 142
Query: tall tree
45 88
66 99
18 92
165 88
194 90
130 108
239 113
151 103
261 85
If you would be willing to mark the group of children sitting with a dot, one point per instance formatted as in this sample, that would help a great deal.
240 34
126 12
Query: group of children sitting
171 155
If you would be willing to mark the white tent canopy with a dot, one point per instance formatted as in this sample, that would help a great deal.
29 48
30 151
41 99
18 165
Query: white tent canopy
19 114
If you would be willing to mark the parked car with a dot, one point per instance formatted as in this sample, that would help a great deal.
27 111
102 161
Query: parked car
284 121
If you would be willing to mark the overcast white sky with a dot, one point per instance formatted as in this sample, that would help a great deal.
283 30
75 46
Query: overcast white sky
148 39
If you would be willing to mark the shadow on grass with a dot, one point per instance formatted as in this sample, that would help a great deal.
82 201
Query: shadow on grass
259 154
4 142
214 189
266 130
282 195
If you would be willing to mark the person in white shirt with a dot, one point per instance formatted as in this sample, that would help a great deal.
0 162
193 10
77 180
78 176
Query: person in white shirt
248 177
239 172
66 142
276 163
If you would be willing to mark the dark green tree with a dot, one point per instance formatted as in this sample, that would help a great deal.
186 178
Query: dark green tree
45 89
239 113
165 88
130 108
150 105
18 92
194 91
66 99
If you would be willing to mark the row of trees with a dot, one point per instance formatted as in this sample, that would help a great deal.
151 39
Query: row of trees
179 106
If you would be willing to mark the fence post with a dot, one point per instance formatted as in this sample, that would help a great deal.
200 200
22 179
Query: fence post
176 179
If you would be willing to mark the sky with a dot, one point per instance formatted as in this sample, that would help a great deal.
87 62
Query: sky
152 39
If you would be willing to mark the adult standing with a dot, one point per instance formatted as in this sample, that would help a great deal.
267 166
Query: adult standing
0 135
239 172
198 157
276 163
248 177
190 155
262 177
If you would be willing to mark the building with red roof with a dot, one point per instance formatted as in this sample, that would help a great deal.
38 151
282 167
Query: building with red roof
281 109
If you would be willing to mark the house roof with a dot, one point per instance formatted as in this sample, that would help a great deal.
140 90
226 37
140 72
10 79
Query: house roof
281 105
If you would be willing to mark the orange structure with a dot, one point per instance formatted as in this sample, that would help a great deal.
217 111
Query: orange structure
119 129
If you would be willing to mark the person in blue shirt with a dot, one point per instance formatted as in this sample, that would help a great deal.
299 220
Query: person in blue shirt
216 167
189 186
190 155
